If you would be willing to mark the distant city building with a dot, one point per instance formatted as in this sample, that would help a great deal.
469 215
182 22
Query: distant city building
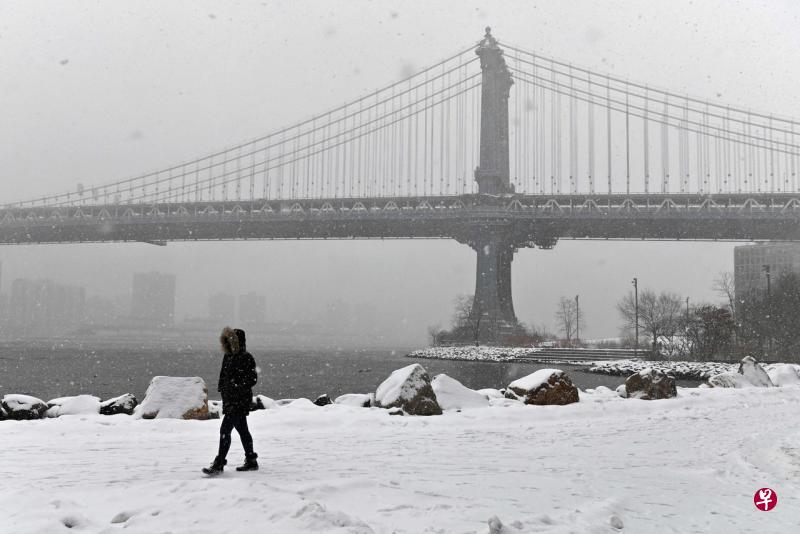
750 264
222 308
107 310
153 299
44 303
253 309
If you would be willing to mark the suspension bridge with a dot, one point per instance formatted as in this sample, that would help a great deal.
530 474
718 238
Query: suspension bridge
497 147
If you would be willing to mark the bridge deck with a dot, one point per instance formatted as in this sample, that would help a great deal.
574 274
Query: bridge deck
529 219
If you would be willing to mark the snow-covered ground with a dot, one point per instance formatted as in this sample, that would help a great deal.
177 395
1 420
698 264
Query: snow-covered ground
689 464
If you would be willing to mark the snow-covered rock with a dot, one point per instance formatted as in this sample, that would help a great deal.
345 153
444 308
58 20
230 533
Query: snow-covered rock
497 527
408 388
677 369
78 405
124 404
262 402
544 387
174 397
323 400
783 374
358 400
730 380
22 407
491 393
301 404
650 384
754 373
215 409
622 391
453 395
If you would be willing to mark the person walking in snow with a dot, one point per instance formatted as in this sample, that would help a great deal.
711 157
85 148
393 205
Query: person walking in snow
236 380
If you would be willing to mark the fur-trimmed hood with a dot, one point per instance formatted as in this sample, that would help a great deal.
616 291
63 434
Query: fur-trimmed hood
229 340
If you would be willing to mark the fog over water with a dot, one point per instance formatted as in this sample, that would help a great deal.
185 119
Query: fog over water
93 92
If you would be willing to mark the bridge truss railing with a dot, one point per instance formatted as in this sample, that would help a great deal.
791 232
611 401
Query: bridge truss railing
404 207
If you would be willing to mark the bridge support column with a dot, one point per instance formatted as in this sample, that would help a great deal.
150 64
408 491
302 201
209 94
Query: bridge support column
493 306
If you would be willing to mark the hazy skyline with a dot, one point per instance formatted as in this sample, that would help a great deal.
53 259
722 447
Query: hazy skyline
96 92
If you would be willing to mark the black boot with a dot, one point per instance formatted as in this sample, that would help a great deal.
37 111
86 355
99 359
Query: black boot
250 463
216 468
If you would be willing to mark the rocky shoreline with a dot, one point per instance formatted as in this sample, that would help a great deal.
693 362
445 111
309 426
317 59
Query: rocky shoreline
411 391
680 370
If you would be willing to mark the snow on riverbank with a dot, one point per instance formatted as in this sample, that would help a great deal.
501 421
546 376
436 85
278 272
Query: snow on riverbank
689 464
473 353
680 370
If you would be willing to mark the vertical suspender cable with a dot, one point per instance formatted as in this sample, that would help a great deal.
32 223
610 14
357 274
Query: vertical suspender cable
665 147
627 145
534 146
608 130
553 140
771 157
542 139
794 163
573 139
646 147
442 106
590 137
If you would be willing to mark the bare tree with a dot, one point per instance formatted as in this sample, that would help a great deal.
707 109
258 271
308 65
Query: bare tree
659 314
434 332
466 318
462 311
568 317
724 285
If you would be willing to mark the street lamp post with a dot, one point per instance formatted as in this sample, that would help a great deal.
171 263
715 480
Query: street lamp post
687 311
635 283
577 321
769 309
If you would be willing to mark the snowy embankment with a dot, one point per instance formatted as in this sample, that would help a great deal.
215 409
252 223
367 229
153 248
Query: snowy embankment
687 464
473 353
680 370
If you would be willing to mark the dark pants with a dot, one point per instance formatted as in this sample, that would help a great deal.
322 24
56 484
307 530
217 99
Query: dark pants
239 422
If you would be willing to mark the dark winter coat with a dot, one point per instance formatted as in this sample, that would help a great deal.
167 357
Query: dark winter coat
237 376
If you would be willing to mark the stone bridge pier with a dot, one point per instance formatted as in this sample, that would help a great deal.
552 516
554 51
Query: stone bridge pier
493 318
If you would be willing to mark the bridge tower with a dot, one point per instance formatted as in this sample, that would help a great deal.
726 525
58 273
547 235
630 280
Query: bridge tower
492 173
493 307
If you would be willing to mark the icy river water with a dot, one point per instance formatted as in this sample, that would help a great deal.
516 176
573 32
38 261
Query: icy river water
48 370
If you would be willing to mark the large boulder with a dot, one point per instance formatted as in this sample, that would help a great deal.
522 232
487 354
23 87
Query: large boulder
784 374
124 404
544 387
359 400
755 374
23 407
323 400
729 380
410 389
175 397
453 395
650 384
78 405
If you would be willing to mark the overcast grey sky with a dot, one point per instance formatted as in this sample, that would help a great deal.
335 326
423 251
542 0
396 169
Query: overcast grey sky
96 91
